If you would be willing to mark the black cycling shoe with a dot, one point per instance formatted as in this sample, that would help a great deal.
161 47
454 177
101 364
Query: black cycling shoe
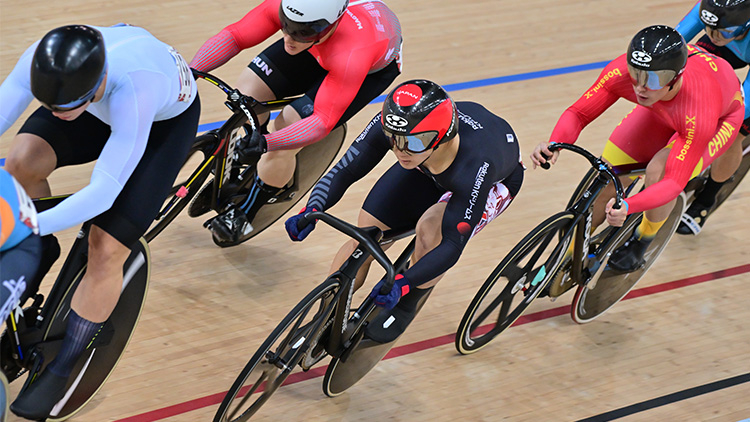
37 401
693 219
629 257
230 228
388 325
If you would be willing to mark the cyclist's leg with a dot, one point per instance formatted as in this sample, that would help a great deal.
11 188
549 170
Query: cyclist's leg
111 235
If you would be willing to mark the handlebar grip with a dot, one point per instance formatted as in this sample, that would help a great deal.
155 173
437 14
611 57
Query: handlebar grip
303 222
545 165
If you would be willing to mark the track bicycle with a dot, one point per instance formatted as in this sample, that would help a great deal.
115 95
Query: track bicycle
34 334
541 261
213 153
321 324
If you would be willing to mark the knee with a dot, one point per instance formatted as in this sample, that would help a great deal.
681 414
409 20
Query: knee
654 171
428 232
30 159
105 251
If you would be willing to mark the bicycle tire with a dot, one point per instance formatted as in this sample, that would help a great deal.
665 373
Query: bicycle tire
592 300
290 340
550 240
204 144
93 369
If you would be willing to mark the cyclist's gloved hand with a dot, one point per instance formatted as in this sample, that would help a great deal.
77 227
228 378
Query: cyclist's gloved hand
293 231
400 288
250 148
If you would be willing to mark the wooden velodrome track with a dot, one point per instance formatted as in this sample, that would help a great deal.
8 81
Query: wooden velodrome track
208 309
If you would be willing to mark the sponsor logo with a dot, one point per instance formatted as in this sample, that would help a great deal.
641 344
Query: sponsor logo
510 138
724 136
689 137
355 19
708 58
469 121
396 121
478 180
407 95
463 228
607 76
260 64
295 11
709 18
641 57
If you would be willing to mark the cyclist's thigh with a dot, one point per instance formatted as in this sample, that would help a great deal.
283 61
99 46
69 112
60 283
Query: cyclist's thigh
285 74
400 197
373 85
144 192
639 136
77 141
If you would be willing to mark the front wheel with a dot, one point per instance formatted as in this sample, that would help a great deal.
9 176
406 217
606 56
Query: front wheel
278 355
527 269
593 299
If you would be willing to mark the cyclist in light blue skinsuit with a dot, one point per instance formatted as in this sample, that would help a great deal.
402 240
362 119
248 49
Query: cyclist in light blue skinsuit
726 23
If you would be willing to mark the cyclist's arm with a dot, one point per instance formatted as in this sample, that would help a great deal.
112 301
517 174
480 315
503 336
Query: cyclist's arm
681 162
462 213
335 95
364 154
132 106
15 92
255 27
691 24
613 83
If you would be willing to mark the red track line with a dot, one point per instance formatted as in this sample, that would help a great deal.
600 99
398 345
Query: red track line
407 349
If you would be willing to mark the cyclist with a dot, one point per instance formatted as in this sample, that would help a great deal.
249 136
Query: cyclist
339 55
689 109
458 169
726 23
119 96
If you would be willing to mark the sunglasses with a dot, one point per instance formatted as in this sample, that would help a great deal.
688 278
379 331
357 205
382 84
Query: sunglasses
731 31
651 79
415 143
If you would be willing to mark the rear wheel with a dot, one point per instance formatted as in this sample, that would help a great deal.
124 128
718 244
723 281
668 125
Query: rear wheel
515 283
595 298
272 363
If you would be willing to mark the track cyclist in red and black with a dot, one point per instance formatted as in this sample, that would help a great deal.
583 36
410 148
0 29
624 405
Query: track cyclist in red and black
458 169
340 55
727 23
688 114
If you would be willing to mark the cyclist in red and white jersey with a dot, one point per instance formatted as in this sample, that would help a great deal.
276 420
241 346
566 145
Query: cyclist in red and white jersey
340 55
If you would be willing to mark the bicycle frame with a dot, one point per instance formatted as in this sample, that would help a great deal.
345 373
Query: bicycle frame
346 332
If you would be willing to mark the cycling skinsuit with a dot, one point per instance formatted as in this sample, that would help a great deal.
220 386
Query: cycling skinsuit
139 132
737 53
484 177
700 123
366 44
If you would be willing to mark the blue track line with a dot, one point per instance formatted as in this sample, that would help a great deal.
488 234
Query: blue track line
467 85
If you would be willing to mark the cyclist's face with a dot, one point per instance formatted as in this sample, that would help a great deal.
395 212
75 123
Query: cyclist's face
717 38
648 97
295 47
411 160
70 115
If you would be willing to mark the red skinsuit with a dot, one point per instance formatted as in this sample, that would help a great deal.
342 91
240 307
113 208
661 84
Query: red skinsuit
702 120
367 39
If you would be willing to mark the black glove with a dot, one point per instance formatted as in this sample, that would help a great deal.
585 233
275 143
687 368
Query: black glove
250 148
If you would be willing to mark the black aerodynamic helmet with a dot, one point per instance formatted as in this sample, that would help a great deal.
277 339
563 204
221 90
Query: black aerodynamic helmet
731 17
419 115
657 56
68 67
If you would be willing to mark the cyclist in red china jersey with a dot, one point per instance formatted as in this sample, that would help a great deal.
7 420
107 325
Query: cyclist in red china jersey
340 55
688 113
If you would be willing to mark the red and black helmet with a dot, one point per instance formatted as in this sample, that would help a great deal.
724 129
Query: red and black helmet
419 115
